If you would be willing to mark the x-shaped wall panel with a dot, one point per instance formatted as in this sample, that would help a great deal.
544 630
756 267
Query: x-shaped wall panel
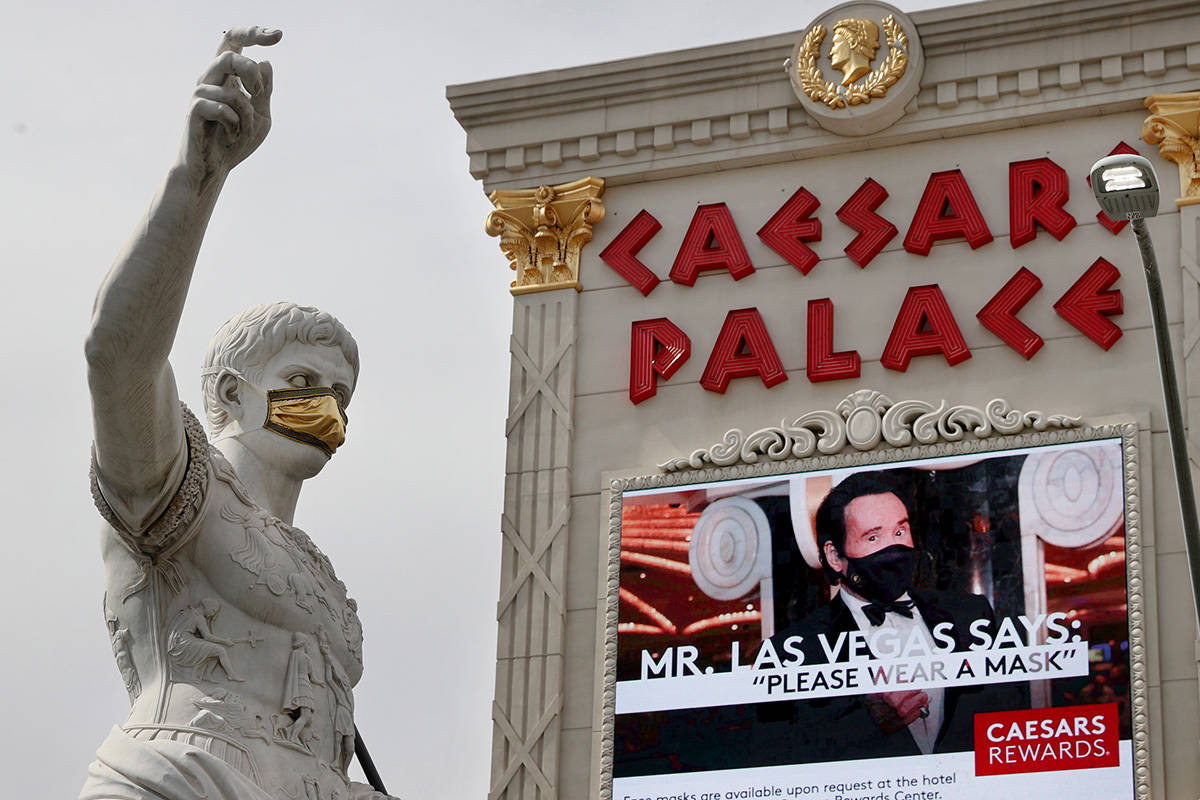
531 610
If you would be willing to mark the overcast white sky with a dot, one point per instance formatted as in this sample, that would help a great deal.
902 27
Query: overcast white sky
359 202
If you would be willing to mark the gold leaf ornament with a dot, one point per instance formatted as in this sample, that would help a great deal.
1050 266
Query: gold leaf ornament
811 79
875 84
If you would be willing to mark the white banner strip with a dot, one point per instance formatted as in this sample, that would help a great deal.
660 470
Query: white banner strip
862 676
947 776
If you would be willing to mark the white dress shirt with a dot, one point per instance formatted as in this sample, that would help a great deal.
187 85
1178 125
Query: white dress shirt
924 730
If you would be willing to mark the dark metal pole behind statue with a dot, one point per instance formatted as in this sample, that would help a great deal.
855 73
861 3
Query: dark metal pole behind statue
1166 369
368 766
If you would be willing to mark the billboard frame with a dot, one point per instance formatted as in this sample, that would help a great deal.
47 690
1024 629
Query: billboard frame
868 429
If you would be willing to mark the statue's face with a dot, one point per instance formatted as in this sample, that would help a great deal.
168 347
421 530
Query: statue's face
297 365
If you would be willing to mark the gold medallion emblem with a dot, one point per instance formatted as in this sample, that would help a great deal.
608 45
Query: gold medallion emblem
855 42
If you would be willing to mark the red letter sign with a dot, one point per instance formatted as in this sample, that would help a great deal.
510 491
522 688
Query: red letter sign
743 348
947 210
621 253
923 327
657 346
1088 304
874 232
790 227
1000 314
712 242
823 363
1037 192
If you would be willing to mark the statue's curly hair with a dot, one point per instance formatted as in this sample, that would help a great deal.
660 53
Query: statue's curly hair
861 34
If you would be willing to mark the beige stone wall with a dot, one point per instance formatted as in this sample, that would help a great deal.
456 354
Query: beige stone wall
1070 374
1082 97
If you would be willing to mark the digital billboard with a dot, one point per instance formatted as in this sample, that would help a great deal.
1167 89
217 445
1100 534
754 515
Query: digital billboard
903 630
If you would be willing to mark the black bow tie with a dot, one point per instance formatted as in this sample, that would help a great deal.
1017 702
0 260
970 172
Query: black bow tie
876 611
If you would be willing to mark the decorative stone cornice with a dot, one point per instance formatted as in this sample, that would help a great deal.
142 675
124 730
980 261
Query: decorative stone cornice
1174 125
542 231
988 66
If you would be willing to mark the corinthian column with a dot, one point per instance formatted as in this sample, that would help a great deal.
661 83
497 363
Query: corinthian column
542 231
1172 125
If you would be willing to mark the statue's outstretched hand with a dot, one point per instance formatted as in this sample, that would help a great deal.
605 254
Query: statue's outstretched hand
231 106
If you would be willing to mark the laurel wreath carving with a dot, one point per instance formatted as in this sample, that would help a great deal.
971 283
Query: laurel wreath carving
875 84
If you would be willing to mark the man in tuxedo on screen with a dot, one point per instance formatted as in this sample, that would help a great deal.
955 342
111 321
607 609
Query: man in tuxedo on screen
867 548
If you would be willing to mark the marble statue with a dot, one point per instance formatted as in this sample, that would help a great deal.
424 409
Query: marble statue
232 633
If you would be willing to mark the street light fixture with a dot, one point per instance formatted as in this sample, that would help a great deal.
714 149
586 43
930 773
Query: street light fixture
1126 186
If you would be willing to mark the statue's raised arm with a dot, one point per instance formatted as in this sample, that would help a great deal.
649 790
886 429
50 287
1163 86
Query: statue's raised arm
139 443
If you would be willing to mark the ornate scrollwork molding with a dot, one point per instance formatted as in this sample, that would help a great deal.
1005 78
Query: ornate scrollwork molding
1174 125
542 231
862 421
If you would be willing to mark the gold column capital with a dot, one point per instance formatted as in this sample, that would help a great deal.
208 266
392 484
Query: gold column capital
1174 125
542 231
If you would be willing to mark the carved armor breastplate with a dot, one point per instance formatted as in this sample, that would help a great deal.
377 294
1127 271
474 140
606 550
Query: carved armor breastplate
234 634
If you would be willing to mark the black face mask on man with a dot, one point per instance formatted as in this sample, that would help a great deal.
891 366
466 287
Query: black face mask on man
882 576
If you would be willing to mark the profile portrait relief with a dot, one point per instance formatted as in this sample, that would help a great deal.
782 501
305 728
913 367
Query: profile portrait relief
855 42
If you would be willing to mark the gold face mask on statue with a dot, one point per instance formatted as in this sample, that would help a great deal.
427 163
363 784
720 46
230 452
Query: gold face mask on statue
311 414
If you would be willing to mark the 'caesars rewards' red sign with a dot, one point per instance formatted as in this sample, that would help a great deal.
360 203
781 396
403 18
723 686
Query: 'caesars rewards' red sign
925 325
1045 739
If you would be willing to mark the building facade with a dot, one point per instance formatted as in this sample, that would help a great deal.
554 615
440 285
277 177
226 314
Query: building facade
745 272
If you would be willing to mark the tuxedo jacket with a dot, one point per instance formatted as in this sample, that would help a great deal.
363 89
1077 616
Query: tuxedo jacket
841 728
806 731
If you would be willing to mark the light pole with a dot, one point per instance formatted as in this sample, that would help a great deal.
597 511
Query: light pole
1126 186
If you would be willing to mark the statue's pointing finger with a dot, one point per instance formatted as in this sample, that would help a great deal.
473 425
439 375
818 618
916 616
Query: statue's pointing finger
237 38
